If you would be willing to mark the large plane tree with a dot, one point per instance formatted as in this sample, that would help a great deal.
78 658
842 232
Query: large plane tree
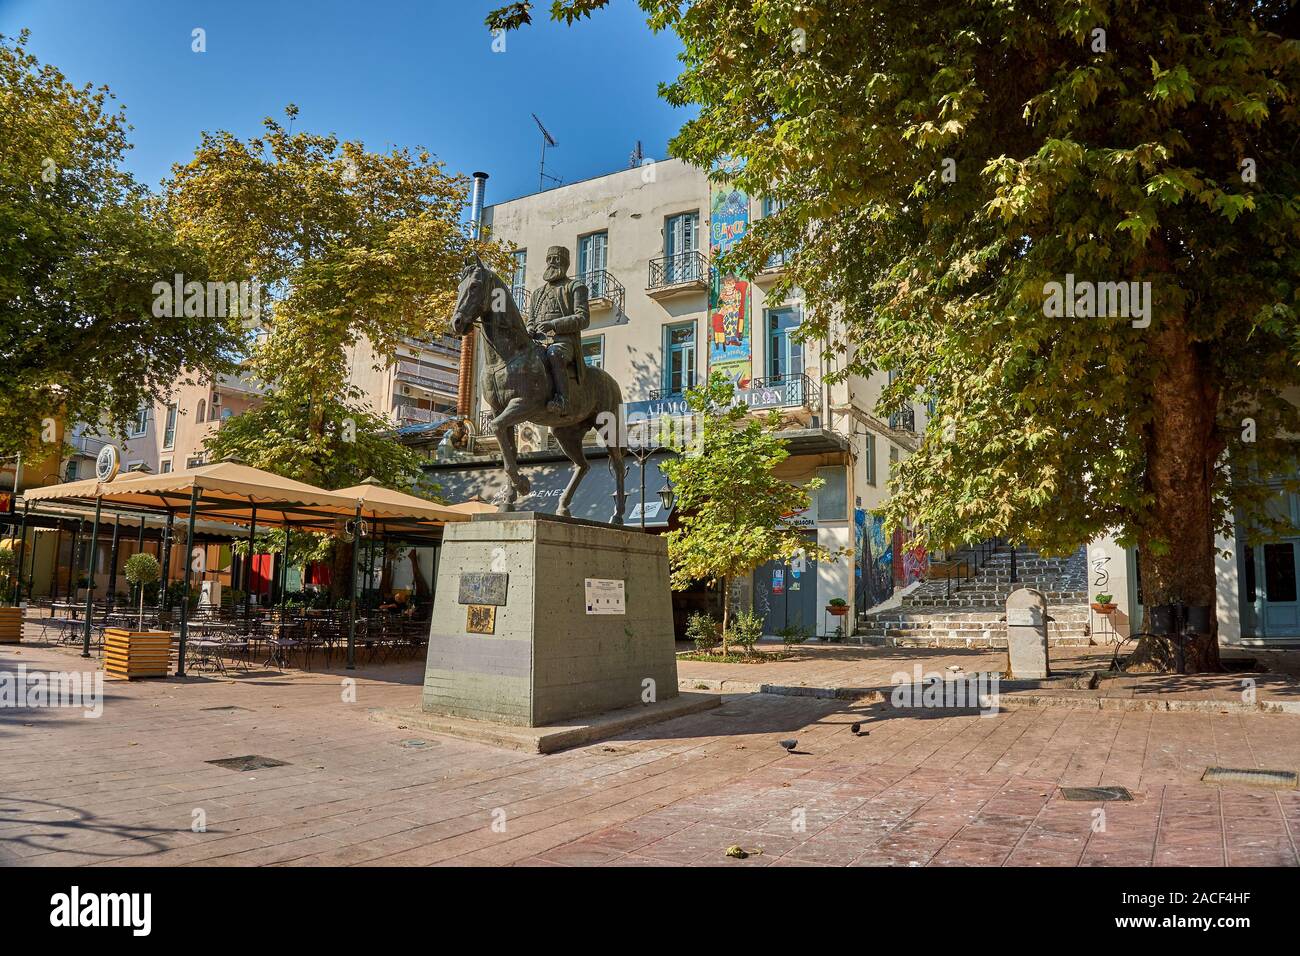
1074 225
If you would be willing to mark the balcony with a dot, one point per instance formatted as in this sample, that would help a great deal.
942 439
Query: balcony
904 421
676 275
434 378
773 268
603 290
240 383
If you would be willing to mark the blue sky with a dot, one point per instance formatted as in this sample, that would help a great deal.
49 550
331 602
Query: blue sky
404 72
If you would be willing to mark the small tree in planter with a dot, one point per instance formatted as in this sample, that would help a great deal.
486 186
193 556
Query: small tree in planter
11 618
142 569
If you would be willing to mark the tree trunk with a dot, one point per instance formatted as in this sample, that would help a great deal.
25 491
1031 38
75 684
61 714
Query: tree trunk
1176 536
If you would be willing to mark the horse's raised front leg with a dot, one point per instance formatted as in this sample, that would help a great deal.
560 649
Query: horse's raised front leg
570 440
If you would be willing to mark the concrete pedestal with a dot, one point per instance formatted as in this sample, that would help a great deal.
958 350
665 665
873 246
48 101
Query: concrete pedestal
539 619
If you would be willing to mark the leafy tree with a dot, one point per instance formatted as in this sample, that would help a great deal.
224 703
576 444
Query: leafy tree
81 247
351 444
940 165
732 506
347 244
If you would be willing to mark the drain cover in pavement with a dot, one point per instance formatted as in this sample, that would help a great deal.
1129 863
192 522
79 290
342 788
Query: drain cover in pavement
1252 778
251 762
1096 794
415 743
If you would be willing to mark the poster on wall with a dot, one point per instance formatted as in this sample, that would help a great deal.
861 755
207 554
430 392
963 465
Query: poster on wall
730 322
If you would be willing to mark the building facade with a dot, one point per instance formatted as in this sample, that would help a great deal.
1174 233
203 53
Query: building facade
643 240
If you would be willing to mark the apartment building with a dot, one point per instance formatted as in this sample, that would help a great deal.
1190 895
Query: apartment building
417 386
643 240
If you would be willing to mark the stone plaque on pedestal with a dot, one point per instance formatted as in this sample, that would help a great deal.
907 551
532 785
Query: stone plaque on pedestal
583 620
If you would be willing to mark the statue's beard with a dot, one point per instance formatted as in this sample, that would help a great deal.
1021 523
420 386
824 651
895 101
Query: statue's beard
554 274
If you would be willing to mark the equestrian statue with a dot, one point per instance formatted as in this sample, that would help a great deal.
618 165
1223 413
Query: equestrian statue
536 373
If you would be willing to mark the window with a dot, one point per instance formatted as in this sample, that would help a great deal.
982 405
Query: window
70 473
681 238
593 258
520 272
833 496
194 461
169 433
165 466
869 464
784 353
593 351
141 423
777 260
202 414
679 358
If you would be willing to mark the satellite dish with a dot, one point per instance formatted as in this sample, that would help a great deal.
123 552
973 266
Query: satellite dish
108 463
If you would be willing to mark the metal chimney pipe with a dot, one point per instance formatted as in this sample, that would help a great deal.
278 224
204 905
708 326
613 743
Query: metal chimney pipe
465 397
476 203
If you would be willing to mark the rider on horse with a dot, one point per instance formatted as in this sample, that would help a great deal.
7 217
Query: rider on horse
558 315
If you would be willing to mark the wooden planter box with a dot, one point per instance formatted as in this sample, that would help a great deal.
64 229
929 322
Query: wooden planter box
11 625
134 654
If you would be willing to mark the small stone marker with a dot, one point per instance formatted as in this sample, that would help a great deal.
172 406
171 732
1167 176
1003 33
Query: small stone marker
1027 634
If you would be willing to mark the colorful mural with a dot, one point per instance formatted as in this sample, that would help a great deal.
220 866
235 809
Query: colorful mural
730 324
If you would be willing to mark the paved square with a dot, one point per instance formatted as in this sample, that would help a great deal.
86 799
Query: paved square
939 788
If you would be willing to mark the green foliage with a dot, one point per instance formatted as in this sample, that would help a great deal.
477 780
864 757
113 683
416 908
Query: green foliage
142 568
287 436
80 249
352 248
1122 164
731 504
704 631
746 630
793 634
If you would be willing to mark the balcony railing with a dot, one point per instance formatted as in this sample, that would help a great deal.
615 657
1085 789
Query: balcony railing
522 295
603 287
426 376
904 421
485 423
682 269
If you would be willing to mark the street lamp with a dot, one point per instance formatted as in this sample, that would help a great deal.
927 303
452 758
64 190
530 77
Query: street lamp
667 496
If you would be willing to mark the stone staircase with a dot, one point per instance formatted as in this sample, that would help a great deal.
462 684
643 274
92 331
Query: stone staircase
939 613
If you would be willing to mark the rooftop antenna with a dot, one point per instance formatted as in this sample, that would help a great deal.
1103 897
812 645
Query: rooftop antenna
547 140
637 157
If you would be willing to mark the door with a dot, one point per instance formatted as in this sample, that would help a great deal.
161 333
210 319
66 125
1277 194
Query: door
785 594
681 236
1270 578
593 256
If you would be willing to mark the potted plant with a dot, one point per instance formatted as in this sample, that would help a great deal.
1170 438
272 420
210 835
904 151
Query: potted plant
11 616
838 606
1102 603
138 653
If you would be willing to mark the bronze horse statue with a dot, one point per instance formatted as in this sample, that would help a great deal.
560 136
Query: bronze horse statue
518 387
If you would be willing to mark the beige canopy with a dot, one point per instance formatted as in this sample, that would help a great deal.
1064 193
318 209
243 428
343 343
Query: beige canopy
378 502
472 507
231 492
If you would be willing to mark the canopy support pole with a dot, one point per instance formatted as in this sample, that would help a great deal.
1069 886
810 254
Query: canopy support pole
112 563
185 598
90 581
22 554
352 591
163 600
248 565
